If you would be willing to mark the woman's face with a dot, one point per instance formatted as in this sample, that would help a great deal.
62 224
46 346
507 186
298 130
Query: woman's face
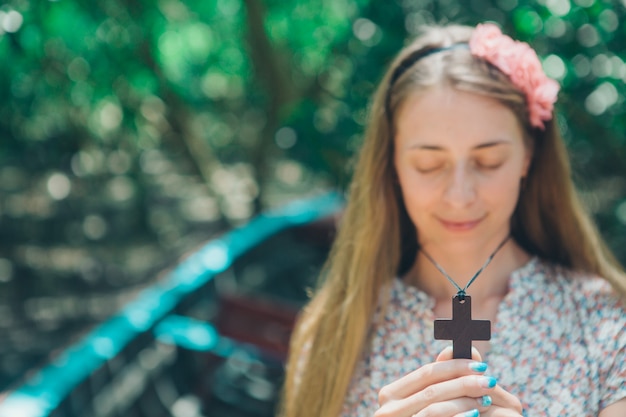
459 158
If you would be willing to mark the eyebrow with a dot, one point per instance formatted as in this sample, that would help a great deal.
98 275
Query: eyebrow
439 148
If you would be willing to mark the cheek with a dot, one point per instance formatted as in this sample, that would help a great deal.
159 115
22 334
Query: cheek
416 190
420 197
502 191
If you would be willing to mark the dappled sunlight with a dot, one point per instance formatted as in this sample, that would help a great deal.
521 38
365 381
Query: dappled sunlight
135 132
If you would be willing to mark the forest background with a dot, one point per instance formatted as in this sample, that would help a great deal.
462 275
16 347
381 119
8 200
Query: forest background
133 131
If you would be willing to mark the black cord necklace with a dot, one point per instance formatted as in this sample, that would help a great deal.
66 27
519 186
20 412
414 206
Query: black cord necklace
461 292
462 329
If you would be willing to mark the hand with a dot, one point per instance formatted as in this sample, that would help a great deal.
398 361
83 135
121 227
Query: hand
447 387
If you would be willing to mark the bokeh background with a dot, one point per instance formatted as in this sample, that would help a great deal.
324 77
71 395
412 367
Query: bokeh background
133 131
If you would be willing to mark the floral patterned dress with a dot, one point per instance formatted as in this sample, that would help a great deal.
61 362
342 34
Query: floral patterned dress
558 343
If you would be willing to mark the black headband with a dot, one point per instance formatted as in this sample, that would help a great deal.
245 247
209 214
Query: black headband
407 63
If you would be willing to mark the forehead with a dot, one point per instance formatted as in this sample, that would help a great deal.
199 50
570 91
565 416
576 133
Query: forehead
444 117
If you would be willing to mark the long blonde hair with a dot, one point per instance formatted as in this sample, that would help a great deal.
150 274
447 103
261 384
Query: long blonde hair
376 240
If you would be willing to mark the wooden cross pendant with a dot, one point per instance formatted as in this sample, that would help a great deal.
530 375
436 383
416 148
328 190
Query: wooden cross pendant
462 329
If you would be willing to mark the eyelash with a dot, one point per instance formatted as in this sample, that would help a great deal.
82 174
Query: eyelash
427 171
490 167
486 167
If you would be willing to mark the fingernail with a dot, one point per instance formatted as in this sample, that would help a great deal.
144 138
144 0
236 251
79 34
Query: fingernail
478 366
472 413
484 401
488 381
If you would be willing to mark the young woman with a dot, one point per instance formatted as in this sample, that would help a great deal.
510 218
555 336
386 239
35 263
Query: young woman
463 164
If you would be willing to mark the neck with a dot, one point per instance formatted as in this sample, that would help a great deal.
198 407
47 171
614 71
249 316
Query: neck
461 266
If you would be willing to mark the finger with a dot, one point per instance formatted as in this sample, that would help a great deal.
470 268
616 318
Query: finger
504 399
474 386
446 354
458 406
501 412
471 413
428 375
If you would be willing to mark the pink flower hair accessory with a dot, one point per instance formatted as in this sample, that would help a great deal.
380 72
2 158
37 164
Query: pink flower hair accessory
520 63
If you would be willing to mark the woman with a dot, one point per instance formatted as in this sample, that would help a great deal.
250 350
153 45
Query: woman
463 163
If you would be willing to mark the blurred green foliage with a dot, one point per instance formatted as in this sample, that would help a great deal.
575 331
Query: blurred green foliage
132 130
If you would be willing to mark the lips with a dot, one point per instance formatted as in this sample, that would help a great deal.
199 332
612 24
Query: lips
460 226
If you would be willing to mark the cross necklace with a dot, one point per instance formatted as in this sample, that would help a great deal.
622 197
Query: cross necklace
462 329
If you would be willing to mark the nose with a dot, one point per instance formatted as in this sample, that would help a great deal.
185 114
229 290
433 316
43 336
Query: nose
461 187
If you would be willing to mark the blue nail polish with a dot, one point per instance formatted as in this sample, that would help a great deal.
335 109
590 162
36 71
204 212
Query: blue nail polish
478 366
472 413
488 381
485 401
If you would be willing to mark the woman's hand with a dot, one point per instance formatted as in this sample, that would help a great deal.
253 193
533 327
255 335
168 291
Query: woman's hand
447 387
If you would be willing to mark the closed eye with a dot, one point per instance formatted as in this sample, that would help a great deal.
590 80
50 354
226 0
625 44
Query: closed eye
427 169
489 166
